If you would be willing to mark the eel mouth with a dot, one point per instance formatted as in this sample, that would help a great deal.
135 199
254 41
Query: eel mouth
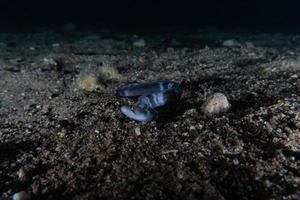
139 114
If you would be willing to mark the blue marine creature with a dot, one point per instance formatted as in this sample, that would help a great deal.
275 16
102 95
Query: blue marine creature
150 95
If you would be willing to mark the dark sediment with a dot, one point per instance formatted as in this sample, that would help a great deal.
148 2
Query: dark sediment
76 144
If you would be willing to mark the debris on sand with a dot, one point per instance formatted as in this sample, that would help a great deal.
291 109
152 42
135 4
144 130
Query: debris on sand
91 81
108 74
215 104
87 82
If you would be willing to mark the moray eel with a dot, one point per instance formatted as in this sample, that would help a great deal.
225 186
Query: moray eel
150 95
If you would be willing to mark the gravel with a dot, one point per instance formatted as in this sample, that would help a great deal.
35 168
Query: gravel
75 144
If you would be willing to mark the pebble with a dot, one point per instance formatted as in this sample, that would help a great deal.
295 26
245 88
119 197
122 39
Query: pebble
295 76
49 61
21 196
191 111
231 43
139 43
137 131
249 45
23 174
215 104
36 188
12 68
193 131
46 109
235 161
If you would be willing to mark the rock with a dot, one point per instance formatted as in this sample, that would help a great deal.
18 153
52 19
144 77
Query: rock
23 174
49 61
139 43
10 66
249 45
36 187
295 76
235 161
193 131
21 196
46 109
292 65
137 131
215 104
191 111
17 60
231 43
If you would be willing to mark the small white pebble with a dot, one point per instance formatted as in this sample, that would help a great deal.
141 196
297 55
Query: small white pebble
268 183
137 131
231 43
139 43
235 161
292 158
21 196
295 76
215 104
185 134
49 61
23 174
190 112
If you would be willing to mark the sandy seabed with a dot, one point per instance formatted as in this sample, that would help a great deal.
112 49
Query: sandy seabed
63 137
